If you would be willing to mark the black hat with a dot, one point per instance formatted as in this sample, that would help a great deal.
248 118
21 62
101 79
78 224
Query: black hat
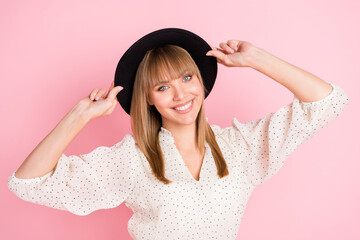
192 43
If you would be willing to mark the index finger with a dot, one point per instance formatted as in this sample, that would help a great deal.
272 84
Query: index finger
233 44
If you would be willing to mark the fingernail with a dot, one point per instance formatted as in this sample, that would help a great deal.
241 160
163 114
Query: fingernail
97 98
208 54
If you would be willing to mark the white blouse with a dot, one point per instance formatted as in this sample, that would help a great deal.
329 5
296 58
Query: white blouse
210 208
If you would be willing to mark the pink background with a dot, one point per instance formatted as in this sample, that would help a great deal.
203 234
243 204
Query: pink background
53 53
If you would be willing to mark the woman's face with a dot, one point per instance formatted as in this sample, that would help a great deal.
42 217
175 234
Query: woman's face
178 101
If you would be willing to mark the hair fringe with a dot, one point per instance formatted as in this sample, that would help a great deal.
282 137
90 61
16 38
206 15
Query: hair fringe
159 64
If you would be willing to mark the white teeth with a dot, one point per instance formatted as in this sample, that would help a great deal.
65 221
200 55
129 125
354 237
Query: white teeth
184 107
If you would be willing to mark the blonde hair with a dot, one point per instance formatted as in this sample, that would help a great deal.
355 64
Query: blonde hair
160 64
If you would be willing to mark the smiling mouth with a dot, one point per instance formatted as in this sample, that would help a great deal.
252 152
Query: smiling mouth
184 107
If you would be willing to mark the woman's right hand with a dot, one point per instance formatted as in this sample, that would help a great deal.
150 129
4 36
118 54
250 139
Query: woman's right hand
98 103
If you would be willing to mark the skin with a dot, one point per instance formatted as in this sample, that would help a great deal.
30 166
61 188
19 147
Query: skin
304 85
99 103
174 93
46 154
233 53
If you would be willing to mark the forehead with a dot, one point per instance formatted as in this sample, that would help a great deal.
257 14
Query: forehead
167 72
165 78
166 64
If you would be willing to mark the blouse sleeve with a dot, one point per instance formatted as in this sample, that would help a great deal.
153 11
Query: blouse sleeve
81 184
266 142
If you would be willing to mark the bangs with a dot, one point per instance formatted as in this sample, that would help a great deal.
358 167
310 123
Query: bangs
168 62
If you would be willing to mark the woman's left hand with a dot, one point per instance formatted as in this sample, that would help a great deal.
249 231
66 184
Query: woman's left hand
234 53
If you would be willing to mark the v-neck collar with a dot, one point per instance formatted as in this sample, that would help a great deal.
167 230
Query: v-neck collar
175 167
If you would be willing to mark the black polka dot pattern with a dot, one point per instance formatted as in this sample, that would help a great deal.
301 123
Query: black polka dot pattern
211 208
82 184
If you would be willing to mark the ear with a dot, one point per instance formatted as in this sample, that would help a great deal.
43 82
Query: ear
149 101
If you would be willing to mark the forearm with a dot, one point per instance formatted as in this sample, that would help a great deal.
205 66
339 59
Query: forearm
304 85
45 156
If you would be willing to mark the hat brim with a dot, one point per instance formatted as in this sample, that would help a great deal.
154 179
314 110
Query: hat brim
192 43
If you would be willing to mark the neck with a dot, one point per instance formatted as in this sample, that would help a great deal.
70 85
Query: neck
184 136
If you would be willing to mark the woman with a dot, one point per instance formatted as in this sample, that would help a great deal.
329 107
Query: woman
182 178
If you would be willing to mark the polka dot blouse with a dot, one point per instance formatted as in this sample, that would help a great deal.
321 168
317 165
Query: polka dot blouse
210 208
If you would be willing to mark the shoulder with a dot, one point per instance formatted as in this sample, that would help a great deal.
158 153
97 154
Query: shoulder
127 139
129 150
230 134
218 130
221 132
126 144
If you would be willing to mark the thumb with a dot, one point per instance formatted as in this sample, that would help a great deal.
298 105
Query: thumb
216 53
114 92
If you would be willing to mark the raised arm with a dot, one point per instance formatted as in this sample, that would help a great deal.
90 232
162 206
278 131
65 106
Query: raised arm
263 144
304 85
45 156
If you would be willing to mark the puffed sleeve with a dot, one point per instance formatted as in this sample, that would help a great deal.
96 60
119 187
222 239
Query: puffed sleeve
265 143
81 184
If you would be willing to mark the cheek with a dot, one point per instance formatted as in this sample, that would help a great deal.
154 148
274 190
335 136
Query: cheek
197 89
161 101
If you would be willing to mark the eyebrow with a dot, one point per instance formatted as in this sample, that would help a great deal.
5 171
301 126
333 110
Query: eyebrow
180 75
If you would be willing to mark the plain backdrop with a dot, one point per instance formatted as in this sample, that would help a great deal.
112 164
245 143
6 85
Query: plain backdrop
53 53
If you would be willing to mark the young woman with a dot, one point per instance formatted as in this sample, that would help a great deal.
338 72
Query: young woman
182 178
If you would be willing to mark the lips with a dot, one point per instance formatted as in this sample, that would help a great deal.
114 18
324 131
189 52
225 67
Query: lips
184 108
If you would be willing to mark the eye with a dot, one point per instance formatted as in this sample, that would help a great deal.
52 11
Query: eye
187 78
162 88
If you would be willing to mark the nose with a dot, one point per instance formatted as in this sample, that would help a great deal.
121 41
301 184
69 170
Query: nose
178 92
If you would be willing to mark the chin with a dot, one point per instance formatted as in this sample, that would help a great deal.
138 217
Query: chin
176 120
